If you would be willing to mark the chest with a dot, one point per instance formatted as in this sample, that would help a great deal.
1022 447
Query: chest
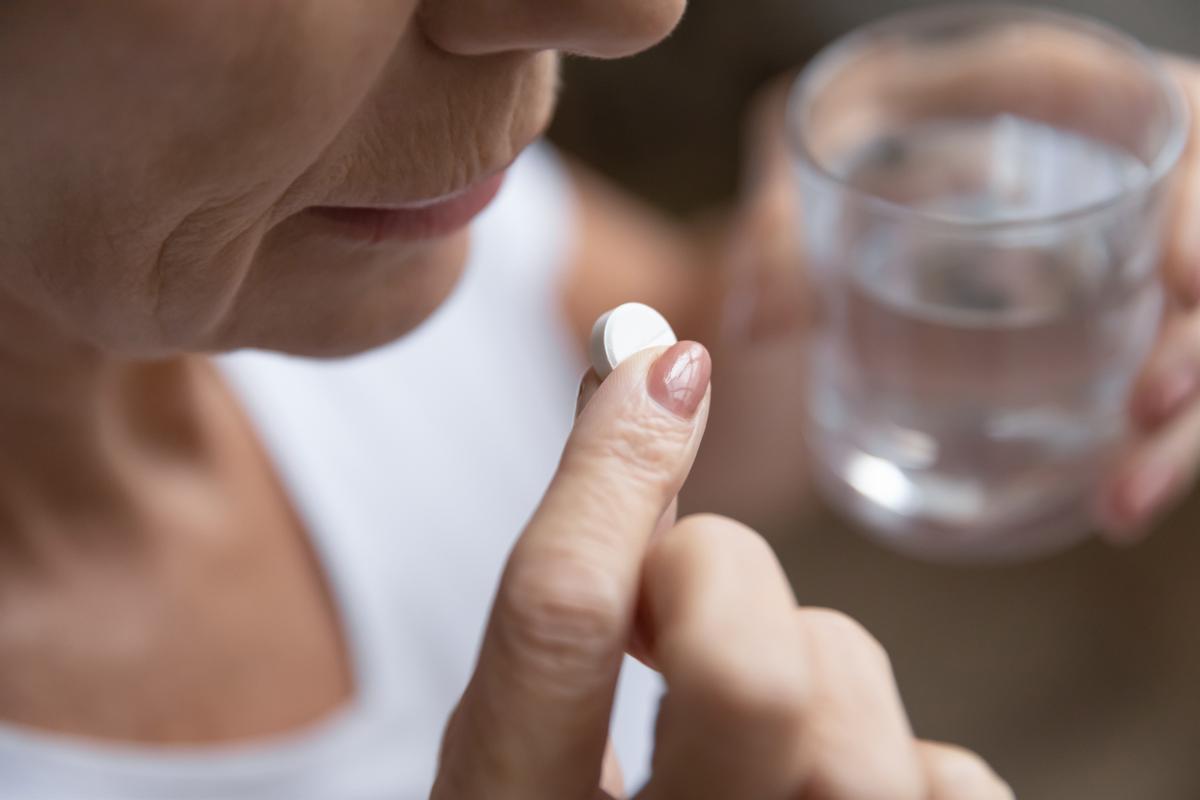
217 624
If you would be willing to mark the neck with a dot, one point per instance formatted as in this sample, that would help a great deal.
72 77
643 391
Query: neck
79 429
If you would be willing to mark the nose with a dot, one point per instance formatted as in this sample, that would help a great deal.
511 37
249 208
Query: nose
597 28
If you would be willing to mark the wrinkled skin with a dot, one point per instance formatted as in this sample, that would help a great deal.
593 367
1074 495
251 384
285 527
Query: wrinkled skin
166 154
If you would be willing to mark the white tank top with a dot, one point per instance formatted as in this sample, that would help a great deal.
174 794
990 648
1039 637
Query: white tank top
414 478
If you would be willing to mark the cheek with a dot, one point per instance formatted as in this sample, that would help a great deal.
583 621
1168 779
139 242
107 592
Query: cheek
164 168
154 143
427 123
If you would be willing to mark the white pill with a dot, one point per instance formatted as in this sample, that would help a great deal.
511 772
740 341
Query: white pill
624 331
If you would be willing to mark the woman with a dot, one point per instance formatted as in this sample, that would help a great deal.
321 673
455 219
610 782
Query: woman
256 576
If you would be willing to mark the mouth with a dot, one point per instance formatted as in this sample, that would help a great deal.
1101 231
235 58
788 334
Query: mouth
430 219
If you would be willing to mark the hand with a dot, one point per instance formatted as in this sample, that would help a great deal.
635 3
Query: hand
760 340
766 297
765 699
1160 465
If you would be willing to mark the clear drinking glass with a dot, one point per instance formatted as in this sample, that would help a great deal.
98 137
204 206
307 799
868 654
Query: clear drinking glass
983 194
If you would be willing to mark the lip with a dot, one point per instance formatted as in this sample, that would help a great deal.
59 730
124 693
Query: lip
431 219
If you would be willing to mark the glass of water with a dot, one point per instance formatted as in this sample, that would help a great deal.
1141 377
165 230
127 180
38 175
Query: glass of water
983 195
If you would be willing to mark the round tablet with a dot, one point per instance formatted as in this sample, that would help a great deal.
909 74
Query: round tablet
627 329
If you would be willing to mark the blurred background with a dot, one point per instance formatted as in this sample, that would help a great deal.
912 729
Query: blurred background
1077 676
667 124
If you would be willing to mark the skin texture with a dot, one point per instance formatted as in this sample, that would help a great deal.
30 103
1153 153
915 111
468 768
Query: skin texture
168 170
166 159
159 164
155 585
764 699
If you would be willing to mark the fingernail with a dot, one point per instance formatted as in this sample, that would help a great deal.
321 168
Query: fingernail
1175 389
679 378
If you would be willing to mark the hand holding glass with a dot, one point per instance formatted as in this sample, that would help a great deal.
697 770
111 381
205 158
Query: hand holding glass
984 194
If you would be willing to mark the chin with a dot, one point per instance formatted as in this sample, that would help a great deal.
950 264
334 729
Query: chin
325 307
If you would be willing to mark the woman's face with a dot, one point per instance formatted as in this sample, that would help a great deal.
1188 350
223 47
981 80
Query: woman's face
204 176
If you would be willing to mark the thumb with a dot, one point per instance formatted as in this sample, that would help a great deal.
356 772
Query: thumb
533 721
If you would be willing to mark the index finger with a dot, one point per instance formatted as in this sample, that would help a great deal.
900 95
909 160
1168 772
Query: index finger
534 720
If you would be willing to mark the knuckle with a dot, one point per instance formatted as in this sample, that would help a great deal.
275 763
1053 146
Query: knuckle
750 679
777 695
766 692
837 636
714 525
954 772
648 444
715 537
768 695
561 617
640 450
